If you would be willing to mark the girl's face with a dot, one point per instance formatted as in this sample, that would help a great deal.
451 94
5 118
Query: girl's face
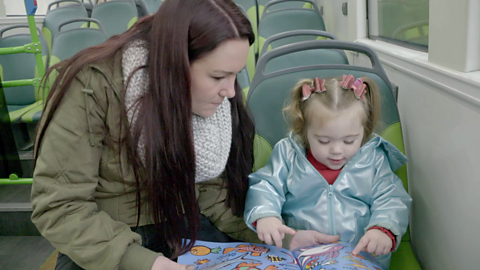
334 141
213 76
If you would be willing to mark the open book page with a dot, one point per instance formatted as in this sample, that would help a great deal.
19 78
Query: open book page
334 256
246 256
239 256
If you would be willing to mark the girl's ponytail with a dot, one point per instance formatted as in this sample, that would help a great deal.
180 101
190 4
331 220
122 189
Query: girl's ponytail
293 112
373 103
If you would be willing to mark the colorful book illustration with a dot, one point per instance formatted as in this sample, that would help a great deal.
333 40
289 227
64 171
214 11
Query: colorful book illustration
246 256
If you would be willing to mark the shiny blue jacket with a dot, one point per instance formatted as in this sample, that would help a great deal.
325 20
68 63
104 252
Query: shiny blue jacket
366 193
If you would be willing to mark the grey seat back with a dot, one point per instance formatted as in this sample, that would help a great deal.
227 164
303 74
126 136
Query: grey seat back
66 10
69 42
304 57
284 20
116 16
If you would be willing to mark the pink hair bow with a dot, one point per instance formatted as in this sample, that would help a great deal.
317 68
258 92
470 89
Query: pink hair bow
317 86
358 87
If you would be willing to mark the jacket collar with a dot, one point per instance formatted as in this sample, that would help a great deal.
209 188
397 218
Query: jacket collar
396 158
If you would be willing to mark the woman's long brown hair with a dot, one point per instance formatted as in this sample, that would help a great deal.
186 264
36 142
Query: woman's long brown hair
180 32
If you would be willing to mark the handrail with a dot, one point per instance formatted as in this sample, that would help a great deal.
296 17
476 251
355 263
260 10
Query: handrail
19 181
35 48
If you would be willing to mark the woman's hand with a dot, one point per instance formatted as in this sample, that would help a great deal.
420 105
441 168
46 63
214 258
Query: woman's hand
310 238
271 229
374 241
163 263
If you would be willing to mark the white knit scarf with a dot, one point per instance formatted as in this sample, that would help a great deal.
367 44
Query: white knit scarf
212 135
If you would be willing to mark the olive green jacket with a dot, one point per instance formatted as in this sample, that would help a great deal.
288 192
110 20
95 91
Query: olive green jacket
80 202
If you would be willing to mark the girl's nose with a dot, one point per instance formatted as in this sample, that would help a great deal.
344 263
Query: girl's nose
336 149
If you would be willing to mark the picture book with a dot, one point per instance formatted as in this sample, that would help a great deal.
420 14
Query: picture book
246 256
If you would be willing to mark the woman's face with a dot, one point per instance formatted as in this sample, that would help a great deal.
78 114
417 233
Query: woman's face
213 76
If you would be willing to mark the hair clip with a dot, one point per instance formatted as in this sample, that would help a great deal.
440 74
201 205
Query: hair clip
358 87
317 86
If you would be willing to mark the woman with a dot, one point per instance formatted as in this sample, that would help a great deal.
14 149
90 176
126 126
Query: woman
139 128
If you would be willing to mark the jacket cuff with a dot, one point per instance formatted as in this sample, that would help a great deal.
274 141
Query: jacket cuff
387 225
138 258
387 232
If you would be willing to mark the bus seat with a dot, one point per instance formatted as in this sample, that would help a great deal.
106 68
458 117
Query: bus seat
244 81
67 43
74 9
270 91
282 5
20 66
116 16
280 21
153 5
305 57
243 77
282 39
249 9
88 4
142 8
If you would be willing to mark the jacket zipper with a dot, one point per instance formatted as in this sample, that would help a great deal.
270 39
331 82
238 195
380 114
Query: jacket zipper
331 211
330 200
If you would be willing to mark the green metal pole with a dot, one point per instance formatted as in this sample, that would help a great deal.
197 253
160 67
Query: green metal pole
12 50
22 181
37 45
14 180
20 82
36 48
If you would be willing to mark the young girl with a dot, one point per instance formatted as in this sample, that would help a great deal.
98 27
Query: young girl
332 174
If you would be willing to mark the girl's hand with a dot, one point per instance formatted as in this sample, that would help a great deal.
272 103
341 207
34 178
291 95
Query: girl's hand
374 241
310 238
163 263
271 229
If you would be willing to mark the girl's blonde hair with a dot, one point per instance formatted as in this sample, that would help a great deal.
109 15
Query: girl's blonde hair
334 99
